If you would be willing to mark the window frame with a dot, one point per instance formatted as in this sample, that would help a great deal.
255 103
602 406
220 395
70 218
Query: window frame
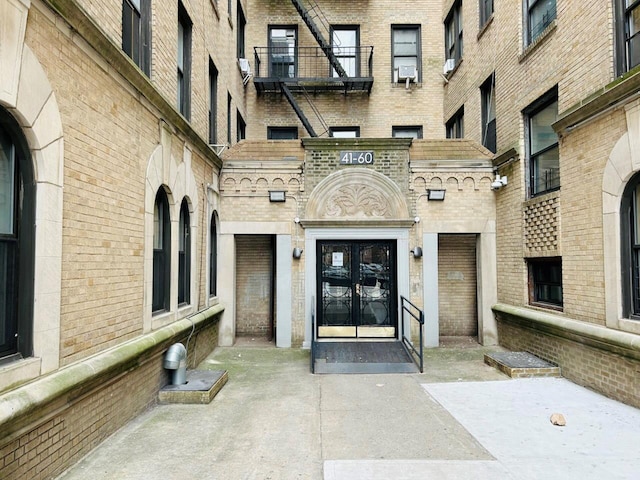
346 130
241 127
286 131
532 32
622 38
395 57
229 110
161 291
397 129
454 33
485 8
242 25
136 40
535 109
455 125
183 62
488 112
630 248
17 341
277 67
213 103
213 256
537 266
184 254
350 52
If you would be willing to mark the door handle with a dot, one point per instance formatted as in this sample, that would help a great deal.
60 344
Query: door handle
358 289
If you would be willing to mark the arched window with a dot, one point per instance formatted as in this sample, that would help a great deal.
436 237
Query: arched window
184 255
213 257
161 252
630 249
17 217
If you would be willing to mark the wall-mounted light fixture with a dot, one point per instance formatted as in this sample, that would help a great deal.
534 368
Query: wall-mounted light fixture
297 253
417 252
499 182
276 196
436 194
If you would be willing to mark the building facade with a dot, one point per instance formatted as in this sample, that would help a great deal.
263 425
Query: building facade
193 171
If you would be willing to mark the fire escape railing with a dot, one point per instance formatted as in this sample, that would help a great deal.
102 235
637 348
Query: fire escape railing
311 64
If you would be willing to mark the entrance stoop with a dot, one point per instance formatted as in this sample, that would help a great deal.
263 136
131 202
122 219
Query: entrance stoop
521 365
363 357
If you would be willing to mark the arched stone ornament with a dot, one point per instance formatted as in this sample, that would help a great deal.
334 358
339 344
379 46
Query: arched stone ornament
357 197
25 91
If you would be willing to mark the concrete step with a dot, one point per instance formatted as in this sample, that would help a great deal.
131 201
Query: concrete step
521 365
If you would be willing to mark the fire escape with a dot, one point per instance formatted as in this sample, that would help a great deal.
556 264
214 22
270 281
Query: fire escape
286 68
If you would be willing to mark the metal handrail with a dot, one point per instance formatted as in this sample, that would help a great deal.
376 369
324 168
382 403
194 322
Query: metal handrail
312 62
418 315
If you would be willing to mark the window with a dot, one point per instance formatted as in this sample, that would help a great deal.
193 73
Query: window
136 32
184 62
488 99
406 132
282 48
345 132
405 48
453 32
627 35
229 101
539 14
242 23
345 41
241 130
486 11
455 125
161 252
630 231
184 254
542 144
17 217
213 103
213 257
282 133
545 281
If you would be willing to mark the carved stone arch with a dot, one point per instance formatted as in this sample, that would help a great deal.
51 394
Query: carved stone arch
361 194
25 91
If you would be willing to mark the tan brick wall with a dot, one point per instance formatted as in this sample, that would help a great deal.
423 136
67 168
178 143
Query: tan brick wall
60 437
389 104
457 285
254 285
612 375
104 187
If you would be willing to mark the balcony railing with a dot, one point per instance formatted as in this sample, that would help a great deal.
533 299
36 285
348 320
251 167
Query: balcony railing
309 68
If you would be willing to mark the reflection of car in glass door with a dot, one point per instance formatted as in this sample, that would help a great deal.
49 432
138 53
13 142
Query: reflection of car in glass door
357 289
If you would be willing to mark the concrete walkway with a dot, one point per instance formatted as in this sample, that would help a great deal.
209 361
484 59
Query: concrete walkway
459 420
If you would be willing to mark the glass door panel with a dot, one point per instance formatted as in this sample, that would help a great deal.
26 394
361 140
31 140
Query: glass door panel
356 289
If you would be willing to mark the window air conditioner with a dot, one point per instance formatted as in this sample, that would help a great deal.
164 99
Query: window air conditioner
244 66
407 72
449 65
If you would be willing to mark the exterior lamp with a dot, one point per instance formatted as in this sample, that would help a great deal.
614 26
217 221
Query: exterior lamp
436 195
276 196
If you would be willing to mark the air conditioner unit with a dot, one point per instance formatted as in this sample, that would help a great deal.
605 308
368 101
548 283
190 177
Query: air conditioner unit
407 72
245 68
449 65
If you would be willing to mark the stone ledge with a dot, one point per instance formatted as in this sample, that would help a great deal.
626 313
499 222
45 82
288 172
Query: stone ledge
596 336
201 387
63 386
521 365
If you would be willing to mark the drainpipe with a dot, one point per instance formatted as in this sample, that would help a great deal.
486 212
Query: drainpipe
176 360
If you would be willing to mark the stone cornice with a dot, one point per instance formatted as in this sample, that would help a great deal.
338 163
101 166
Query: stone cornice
596 336
317 143
84 25
607 97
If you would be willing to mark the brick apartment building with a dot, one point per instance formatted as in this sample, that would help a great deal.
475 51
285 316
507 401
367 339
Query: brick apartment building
198 170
